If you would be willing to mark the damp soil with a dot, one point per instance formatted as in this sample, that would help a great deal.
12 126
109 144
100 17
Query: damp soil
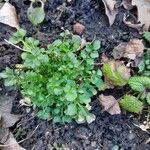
106 131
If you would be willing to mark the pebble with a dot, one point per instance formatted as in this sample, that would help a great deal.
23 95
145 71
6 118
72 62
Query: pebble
93 144
131 136
78 28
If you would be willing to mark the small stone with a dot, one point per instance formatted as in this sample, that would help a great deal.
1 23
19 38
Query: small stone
69 1
78 28
93 143
131 136
87 142
28 110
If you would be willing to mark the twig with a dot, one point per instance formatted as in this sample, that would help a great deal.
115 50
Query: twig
13 44
21 140
29 135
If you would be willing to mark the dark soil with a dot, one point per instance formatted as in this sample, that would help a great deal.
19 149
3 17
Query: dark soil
106 131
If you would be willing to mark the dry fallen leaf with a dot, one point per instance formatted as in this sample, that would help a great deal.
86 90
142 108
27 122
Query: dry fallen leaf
143 12
110 10
7 119
8 15
110 104
11 144
104 58
4 133
132 49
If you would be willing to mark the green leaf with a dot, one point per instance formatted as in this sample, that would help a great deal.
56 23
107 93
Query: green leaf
99 72
57 119
76 42
10 82
139 83
71 109
57 42
84 99
3 75
80 119
141 67
56 111
43 114
30 44
89 48
71 95
36 15
83 54
58 91
18 36
90 118
94 54
67 119
147 36
131 104
148 98
96 44
116 73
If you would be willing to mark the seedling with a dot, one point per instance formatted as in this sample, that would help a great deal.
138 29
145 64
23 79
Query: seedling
60 80
36 14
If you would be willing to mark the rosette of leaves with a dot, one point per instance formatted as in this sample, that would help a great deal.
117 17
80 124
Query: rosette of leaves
116 73
60 80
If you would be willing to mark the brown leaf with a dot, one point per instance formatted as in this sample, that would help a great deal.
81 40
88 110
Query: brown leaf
132 49
110 10
110 104
11 144
5 104
104 58
8 15
4 133
7 119
143 8
119 50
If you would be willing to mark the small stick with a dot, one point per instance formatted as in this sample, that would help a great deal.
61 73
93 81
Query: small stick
29 135
13 44
21 140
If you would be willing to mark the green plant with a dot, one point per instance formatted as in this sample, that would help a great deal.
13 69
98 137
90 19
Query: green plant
144 66
140 86
131 104
116 72
36 14
60 80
